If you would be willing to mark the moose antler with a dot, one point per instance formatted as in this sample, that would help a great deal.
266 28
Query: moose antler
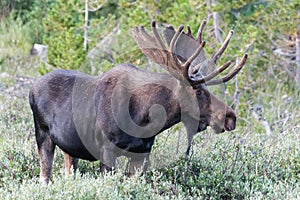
184 50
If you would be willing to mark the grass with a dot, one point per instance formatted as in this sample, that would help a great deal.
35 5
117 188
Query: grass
244 164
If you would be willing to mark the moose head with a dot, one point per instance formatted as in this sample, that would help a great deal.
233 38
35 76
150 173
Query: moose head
185 60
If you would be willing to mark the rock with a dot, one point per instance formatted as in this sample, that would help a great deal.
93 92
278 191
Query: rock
4 75
40 51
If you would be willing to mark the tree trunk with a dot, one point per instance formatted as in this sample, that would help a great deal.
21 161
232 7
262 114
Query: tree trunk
298 57
86 24
217 28
215 15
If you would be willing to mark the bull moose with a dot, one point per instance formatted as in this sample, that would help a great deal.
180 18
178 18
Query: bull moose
120 112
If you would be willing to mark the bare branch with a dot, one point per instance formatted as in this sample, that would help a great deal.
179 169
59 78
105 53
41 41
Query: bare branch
86 17
298 57
217 28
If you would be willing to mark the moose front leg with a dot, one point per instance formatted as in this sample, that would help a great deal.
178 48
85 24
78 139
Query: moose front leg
138 163
190 136
70 161
108 161
190 140
190 131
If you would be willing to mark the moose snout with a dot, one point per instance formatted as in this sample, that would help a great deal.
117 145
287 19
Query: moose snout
224 123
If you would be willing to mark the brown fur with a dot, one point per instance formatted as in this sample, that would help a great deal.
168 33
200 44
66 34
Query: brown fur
86 116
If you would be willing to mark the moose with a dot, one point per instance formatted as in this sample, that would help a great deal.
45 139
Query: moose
120 112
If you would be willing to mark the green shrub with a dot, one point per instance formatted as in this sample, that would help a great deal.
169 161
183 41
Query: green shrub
64 34
245 164
15 44
15 38
236 167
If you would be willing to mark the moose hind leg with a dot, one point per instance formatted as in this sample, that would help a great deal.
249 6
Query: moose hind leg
46 153
70 161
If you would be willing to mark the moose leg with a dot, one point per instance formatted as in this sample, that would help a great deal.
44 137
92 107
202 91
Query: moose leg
139 163
68 162
191 131
190 139
46 152
104 168
108 161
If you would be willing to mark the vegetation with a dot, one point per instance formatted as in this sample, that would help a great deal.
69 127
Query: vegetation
259 160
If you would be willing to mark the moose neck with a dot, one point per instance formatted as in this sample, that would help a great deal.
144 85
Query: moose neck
181 104
156 101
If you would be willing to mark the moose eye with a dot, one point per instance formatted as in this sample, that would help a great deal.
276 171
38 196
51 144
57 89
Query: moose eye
200 92
193 74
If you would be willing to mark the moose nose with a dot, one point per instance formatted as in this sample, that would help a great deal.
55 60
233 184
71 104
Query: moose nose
230 122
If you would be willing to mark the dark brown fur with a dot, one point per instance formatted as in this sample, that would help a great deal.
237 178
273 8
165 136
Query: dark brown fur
74 111
121 112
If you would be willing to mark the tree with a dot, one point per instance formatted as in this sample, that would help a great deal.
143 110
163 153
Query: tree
64 34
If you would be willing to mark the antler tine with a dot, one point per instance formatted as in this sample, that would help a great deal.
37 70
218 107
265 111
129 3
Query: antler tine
187 64
153 47
145 34
223 47
189 32
172 45
200 30
175 37
137 36
156 35
236 70
182 50
212 74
